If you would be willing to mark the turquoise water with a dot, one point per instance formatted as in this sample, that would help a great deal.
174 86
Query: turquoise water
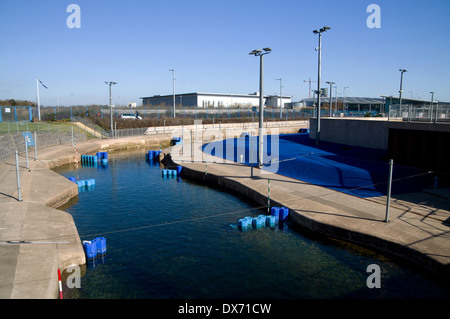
177 239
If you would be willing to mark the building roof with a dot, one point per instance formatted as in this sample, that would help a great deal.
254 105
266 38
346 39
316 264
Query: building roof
256 94
351 100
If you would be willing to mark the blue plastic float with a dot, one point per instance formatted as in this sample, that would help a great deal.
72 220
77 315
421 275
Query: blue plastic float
278 216
84 184
94 247
94 160
152 155
175 141
166 173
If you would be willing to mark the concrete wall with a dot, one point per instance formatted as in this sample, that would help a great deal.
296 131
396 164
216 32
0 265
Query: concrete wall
365 132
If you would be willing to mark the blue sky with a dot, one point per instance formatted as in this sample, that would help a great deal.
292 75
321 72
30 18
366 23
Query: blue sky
136 42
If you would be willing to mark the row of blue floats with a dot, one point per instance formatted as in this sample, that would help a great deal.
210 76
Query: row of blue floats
94 247
84 184
152 155
278 216
90 159
171 172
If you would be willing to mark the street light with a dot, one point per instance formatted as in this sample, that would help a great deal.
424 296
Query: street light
281 95
331 86
260 53
401 86
173 76
110 104
431 107
325 28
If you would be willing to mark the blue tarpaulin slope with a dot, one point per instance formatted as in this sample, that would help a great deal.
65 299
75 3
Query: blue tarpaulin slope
358 171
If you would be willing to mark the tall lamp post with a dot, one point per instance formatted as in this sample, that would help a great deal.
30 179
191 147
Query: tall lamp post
173 79
331 95
401 86
260 53
281 95
109 83
319 49
431 107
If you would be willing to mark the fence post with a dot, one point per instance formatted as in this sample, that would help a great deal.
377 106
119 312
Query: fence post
192 147
26 152
388 202
35 146
18 176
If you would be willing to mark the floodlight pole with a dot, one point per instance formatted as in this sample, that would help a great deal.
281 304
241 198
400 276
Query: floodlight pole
318 89
331 95
38 102
318 81
260 53
401 87
431 107
261 112
110 104
281 93
173 90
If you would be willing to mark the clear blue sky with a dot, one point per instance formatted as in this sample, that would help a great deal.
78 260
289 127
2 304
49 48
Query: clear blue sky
136 42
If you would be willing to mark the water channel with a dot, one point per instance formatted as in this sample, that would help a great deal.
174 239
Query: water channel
172 238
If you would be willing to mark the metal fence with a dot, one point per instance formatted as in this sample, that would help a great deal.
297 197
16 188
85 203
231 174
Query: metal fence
424 113
13 141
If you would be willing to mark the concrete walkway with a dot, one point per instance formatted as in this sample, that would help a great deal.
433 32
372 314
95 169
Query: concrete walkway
415 232
36 238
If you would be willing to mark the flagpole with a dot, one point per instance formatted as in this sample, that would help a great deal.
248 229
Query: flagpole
38 102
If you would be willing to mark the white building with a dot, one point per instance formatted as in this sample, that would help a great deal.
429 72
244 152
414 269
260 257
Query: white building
204 100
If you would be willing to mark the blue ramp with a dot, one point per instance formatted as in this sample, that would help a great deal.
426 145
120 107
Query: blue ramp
357 171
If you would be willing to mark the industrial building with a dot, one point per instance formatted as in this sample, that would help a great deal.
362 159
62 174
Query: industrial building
350 104
204 100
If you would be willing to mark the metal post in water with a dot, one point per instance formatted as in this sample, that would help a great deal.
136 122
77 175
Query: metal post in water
18 177
388 203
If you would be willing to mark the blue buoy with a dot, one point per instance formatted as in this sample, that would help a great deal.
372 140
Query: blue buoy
90 249
275 211
100 245
284 213
270 221
245 223
262 220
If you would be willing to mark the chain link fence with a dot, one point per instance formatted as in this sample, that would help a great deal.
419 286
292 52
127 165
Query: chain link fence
424 113
44 135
